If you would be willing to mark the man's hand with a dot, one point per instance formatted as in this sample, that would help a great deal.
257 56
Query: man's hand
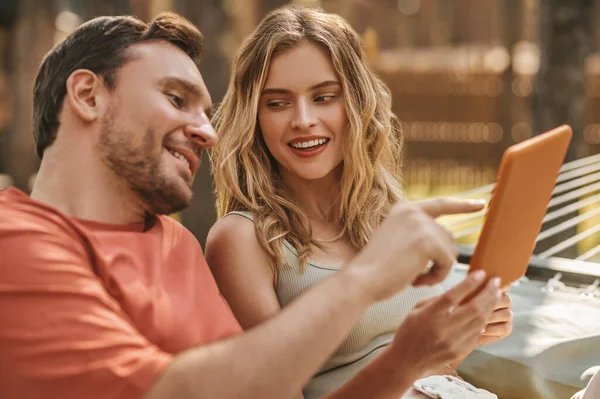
500 323
440 330
409 237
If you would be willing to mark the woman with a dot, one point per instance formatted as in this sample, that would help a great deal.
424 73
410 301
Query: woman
309 153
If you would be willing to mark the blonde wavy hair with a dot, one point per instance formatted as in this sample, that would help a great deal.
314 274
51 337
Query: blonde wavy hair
245 173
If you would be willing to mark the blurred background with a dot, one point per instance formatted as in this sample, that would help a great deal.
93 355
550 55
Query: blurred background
469 77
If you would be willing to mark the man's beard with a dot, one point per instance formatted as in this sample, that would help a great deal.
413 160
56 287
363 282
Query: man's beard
138 165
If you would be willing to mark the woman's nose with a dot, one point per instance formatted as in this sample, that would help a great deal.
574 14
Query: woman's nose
303 117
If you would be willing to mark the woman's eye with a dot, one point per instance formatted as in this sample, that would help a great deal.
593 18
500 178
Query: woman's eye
275 104
323 99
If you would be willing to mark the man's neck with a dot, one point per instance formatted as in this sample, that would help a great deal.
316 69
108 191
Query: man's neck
83 187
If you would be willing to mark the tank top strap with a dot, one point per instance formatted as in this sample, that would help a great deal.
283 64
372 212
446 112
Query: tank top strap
247 215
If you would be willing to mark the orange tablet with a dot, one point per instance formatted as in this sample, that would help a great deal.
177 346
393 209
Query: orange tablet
526 179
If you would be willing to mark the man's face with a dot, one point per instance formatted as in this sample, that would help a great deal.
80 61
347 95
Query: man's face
156 125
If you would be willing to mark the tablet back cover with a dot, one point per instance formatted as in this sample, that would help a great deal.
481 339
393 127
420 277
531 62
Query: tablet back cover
526 179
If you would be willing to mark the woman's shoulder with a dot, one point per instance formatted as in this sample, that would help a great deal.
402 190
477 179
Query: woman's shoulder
232 245
244 214
238 225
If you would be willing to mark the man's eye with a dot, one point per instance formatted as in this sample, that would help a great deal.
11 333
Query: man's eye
176 100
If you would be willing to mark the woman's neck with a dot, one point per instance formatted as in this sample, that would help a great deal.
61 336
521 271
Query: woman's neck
318 199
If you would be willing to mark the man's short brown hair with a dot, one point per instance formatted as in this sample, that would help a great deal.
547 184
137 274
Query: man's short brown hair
100 45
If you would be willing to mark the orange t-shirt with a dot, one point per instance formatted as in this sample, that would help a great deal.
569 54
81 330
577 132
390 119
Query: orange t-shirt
97 310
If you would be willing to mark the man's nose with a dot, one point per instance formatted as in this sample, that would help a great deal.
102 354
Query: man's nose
202 133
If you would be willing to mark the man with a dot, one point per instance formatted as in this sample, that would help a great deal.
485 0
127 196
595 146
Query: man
101 296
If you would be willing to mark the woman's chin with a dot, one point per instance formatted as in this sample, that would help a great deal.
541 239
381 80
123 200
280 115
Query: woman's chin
314 176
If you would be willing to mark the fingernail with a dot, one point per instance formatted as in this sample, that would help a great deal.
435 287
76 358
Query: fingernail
496 282
478 275
482 331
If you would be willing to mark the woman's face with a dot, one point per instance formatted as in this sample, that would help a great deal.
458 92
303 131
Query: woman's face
302 113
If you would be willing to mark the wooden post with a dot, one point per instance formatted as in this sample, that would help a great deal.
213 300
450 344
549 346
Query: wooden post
31 37
566 40
6 101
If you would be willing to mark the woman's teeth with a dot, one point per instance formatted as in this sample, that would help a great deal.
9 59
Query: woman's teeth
309 144
178 155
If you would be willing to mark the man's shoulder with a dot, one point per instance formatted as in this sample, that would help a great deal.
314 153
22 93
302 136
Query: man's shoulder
175 225
179 237
16 206
18 212
34 235
13 200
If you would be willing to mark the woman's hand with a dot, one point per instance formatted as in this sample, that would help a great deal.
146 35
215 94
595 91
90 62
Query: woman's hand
440 330
500 323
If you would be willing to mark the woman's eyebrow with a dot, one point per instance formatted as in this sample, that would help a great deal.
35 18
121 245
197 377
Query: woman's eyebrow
326 83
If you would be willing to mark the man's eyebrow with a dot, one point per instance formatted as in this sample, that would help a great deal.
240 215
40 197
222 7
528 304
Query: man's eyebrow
315 87
190 87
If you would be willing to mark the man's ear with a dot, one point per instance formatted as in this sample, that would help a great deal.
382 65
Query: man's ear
84 94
